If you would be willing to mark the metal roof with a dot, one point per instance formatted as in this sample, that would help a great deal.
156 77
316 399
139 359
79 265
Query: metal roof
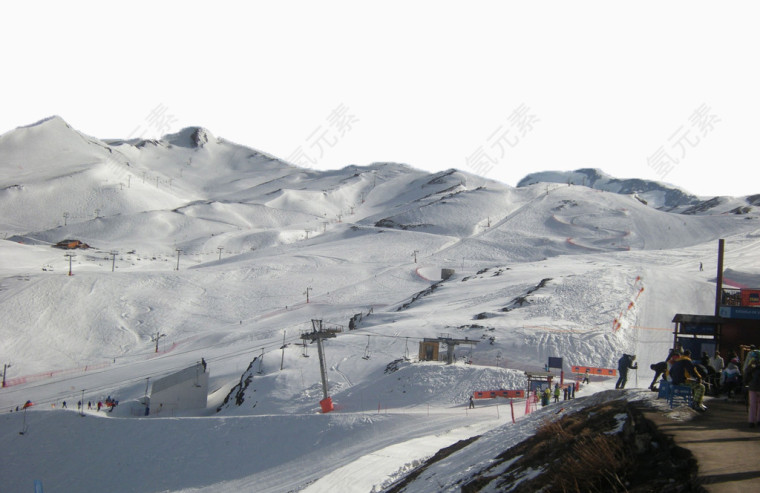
697 319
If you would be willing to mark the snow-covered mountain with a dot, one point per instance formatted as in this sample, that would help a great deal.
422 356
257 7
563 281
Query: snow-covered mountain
656 194
203 248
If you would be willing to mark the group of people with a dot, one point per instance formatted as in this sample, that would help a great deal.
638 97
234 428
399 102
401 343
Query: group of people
567 391
721 377
110 403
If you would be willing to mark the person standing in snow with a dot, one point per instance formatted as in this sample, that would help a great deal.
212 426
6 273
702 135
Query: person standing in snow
556 392
586 380
624 364
472 403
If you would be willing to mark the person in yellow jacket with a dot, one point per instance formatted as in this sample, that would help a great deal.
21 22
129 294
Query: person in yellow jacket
683 372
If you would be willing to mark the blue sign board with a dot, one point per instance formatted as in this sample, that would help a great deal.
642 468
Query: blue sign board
742 312
701 329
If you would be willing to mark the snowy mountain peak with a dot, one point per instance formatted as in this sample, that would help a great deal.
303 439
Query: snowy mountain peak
190 137
54 120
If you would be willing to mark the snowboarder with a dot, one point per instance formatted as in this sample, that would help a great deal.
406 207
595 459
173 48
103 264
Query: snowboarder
64 405
203 362
585 377
624 364
472 403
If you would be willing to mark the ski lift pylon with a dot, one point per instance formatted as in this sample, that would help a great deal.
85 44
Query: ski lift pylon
366 350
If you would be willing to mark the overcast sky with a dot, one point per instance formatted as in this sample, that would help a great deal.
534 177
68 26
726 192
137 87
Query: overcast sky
658 90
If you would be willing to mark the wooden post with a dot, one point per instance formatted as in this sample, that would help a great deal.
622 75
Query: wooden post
719 284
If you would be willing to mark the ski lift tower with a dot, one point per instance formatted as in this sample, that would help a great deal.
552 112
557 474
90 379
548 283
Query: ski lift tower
317 334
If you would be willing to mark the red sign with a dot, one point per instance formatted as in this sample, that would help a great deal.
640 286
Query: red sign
750 297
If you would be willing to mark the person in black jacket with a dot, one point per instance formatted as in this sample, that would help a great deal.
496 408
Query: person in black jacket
659 369
624 364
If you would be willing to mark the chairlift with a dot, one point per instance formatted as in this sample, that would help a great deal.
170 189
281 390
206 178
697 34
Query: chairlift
366 350
305 352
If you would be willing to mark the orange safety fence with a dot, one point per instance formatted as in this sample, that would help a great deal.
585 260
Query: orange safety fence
607 372
491 394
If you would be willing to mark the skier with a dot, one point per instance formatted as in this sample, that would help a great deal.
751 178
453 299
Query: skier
585 377
472 403
624 364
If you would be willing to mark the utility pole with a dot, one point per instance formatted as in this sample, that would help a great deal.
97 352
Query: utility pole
719 283
178 252
261 362
5 370
220 252
414 254
70 256
307 294
156 338
113 260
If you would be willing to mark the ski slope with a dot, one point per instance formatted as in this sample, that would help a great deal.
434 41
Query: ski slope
215 246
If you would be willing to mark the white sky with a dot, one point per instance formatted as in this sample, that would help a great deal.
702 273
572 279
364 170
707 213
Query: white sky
612 85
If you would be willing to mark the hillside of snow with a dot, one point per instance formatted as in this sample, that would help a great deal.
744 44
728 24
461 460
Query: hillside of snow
653 193
202 248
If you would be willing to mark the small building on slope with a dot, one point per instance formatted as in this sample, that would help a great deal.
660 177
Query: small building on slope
185 390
